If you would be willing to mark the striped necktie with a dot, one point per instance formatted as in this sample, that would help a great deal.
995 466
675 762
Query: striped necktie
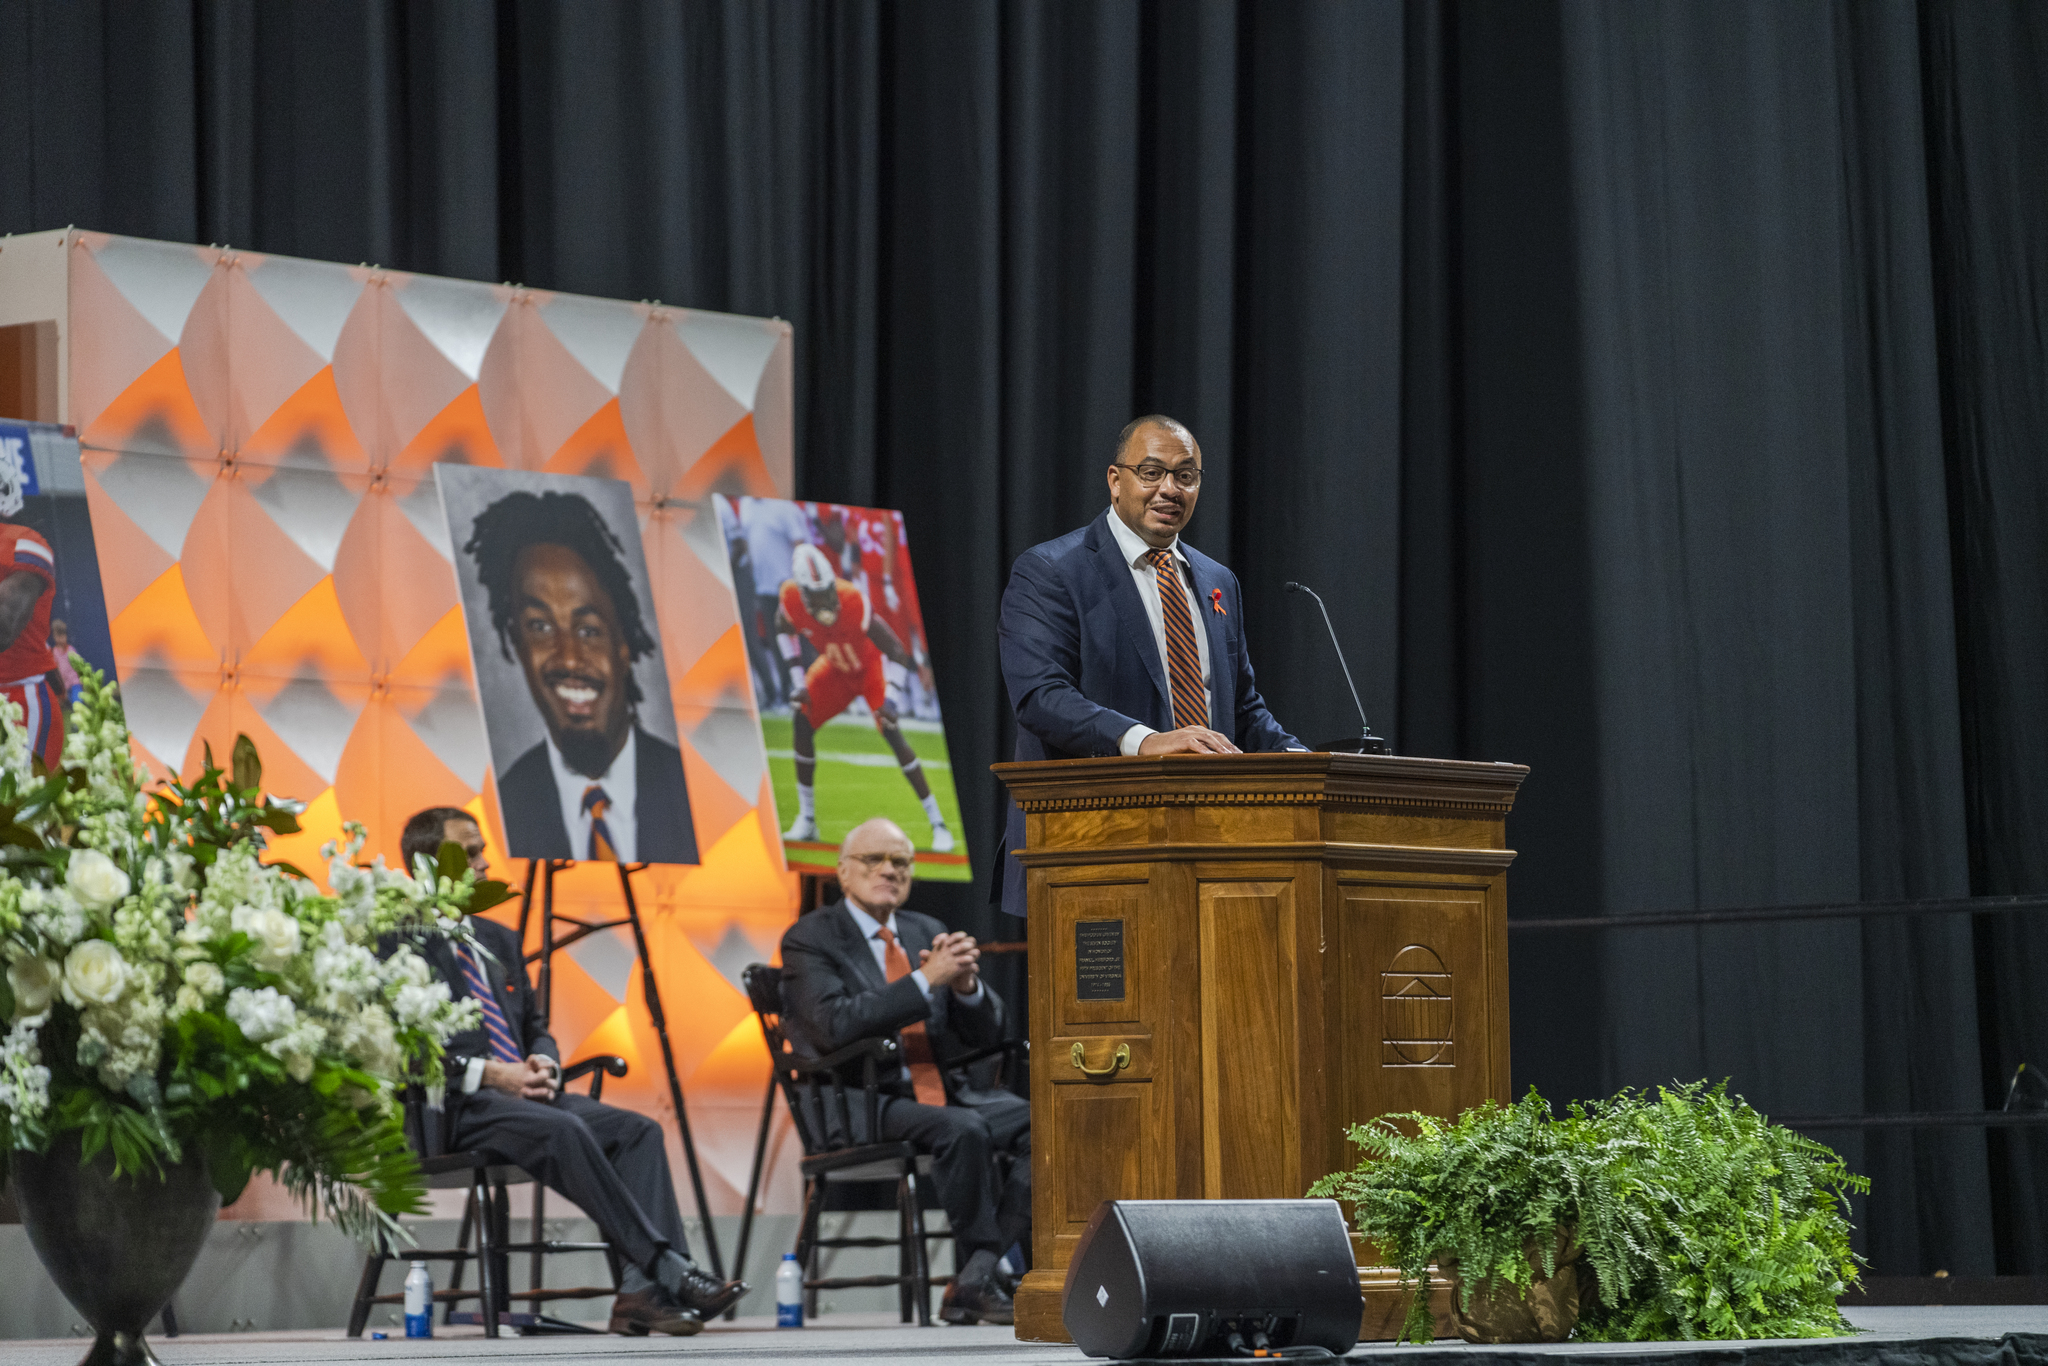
925 1080
595 804
503 1047
1183 656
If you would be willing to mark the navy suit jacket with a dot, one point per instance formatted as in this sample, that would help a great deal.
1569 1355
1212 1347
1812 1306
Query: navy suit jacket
504 969
661 806
1083 666
834 993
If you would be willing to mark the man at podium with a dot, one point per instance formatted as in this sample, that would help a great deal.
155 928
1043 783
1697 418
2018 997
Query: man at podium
1119 638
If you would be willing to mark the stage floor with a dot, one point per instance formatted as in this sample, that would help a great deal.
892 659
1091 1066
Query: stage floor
1897 1336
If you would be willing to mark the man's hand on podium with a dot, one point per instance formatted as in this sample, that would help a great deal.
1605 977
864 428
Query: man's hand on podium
953 960
1187 740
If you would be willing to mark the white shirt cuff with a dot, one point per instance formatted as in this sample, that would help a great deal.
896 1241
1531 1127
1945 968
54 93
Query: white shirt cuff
1134 737
924 983
474 1077
969 998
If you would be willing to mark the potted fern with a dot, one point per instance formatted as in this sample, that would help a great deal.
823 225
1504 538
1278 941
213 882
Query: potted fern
1684 1214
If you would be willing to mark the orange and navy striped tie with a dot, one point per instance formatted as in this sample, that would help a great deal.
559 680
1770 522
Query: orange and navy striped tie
595 803
496 1027
925 1080
1183 656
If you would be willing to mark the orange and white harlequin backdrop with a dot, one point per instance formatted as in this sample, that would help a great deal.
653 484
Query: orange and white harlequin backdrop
259 434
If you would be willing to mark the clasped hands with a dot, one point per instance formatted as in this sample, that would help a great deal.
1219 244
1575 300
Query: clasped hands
537 1078
953 960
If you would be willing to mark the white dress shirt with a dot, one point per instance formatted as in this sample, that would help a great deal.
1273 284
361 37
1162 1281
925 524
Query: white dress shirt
1146 578
871 930
621 783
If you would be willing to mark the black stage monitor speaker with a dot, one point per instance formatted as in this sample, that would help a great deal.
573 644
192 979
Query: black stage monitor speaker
1180 1278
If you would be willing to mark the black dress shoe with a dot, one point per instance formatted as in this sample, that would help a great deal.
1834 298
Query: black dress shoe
984 1303
653 1310
976 1295
704 1293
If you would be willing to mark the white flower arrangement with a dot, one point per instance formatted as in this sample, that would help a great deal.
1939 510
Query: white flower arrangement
168 990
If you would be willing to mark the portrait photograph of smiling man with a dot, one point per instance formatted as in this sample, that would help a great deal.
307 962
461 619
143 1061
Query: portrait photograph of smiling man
569 668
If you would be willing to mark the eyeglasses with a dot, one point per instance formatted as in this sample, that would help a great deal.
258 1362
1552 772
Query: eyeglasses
900 862
1187 476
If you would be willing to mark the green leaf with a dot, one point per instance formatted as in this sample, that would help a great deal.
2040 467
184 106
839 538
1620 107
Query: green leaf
487 893
278 819
248 767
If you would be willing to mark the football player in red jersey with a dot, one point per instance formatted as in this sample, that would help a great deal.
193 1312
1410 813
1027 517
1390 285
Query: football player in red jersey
851 642
28 671
879 537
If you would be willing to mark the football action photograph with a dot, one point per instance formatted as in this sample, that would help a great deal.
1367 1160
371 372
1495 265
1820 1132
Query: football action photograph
843 674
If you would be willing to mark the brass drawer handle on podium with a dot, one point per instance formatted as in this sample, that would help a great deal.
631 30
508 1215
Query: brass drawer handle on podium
1116 1064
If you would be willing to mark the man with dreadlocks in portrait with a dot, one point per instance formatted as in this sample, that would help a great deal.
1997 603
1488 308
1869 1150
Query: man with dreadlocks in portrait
598 786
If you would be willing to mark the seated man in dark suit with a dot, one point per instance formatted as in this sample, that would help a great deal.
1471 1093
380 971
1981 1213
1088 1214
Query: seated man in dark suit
504 1095
847 975
599 785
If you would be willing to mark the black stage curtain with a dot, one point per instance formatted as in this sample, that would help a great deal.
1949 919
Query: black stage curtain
1656 391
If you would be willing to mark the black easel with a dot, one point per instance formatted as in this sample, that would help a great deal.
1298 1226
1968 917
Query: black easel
545 955
811 893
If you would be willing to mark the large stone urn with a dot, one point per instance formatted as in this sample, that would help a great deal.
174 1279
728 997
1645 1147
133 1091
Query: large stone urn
117 1247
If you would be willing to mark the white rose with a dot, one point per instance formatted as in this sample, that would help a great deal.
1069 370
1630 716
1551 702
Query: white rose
276 934
206 978
34 981
94 974
261 1015
97 882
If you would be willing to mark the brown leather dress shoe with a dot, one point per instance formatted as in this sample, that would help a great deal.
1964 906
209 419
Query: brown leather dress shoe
653 1311
970 1302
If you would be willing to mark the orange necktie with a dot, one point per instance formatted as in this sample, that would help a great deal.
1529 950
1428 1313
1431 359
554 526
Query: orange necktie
1183 656
917 1045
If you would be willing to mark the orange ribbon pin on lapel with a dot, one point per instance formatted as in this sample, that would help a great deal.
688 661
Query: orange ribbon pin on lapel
1216 601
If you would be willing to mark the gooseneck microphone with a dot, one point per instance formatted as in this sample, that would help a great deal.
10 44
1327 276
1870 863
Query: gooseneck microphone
1368 743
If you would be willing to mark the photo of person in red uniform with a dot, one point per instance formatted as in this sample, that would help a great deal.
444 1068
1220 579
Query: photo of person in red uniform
53 611
28 671
885 578
851 641
831 614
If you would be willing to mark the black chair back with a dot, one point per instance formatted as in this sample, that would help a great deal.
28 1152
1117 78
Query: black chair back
812 1087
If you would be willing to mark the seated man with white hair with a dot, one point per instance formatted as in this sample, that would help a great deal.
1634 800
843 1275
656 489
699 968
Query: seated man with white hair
866 968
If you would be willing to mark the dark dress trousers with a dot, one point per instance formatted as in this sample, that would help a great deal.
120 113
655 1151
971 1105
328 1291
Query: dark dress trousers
1082 664
661 810
612 1163
835 994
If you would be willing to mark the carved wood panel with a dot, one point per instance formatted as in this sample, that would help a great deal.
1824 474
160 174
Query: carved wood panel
1417 998
1249 1097
1099 1144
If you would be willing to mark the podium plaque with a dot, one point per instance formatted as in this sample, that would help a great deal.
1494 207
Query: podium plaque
1233 957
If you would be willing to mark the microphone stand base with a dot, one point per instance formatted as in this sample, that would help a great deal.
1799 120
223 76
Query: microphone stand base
1365 744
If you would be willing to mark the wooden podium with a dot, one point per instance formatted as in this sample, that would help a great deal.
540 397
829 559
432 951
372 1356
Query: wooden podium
1235 957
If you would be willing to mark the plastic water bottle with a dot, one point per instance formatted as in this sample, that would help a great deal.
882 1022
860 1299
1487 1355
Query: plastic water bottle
419 1302
789 1293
